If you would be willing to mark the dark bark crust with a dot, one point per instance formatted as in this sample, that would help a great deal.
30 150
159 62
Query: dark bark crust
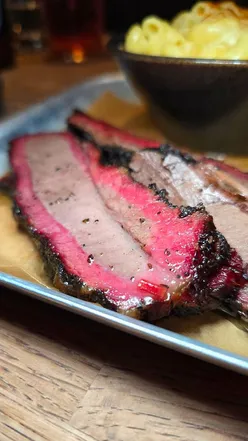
120 158
212 251
205 263
57 273
72 285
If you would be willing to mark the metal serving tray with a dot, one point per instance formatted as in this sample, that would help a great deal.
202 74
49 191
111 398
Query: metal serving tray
50 116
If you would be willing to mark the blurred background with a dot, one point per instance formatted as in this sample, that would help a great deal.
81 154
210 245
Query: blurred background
42 42
122 13
72 30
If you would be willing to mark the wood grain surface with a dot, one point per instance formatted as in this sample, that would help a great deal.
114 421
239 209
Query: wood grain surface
66 378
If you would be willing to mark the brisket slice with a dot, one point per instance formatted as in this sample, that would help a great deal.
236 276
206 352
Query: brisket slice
157 219
187 181
99 132
193 182
89 253
163 230
232 177
103 134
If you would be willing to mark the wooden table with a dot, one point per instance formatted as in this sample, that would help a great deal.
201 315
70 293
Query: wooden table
67 378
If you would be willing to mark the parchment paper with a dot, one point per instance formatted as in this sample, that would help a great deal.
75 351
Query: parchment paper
19 257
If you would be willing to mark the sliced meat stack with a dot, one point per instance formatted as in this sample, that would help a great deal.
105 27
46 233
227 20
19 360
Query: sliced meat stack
111 240
185 181
99 132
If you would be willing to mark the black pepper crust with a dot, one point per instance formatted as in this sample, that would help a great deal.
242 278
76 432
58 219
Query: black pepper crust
212 252
115 156
224 251
73 285
54 268
213 249
80 133
166 149
188 211
64 281
121 157
184 211
111 155
162 194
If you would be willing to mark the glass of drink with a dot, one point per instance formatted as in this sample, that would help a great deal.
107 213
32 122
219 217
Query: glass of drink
26 24
75 28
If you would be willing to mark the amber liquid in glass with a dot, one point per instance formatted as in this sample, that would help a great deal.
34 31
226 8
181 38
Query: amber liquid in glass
75 28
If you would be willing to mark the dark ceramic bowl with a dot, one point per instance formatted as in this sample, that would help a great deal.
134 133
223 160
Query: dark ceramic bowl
201 104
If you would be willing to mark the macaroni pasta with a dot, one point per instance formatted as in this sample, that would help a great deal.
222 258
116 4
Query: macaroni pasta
208 30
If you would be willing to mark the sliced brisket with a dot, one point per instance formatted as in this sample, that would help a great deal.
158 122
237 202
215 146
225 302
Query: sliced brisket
191 183
99 132
184 180
163 225
60 206
222 194
163 230
103 254
232 177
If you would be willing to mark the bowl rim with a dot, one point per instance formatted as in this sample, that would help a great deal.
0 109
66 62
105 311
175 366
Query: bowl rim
116 41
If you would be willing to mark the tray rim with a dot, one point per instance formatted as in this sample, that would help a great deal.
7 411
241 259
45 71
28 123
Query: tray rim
150 332
147 331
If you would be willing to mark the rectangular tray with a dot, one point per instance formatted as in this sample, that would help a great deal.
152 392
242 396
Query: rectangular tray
50 116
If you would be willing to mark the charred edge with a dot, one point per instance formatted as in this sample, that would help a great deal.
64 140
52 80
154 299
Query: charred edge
110 155
80 133
183 211
166 149
188 211
84 134
65 282
213 251
120 157
7 184
115 156
223 248
161 193
73 285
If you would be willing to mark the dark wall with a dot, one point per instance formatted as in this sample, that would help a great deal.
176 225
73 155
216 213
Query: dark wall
120 14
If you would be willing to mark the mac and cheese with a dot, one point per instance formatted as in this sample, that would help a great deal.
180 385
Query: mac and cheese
208 30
